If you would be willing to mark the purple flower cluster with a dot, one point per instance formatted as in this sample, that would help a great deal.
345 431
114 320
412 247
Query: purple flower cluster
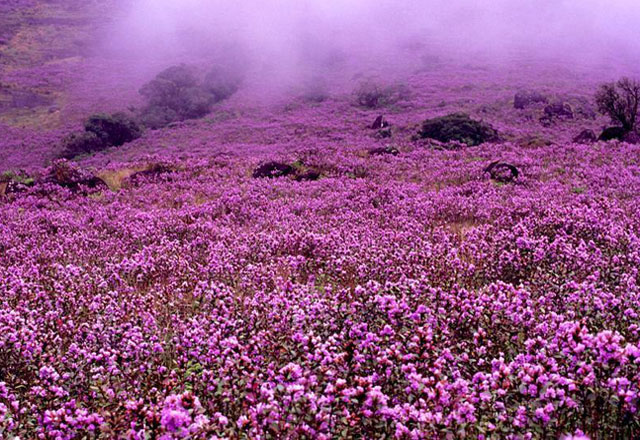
399 296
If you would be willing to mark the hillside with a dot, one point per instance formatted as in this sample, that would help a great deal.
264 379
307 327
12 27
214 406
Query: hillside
387 285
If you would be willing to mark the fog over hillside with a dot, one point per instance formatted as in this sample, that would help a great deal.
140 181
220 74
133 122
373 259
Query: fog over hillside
292 33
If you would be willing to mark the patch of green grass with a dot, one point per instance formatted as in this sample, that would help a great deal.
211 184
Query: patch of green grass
19 178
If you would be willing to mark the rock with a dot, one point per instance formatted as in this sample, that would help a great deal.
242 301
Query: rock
384 133
502 172
384 151
631 138
458 127
611 133
535 141
559 110
585 137
272 170
307 176
379 123
525 98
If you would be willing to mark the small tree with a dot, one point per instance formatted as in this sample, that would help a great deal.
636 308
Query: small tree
176 94
620 102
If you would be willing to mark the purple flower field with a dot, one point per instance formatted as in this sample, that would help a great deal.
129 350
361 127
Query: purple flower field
386 285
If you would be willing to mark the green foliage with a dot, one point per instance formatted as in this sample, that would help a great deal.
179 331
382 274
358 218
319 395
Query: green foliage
101 131
620 101
372 95
115 129
78 143
175 94
458 127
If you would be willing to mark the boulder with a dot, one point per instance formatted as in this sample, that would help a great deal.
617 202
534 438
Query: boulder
611 133
525 98
308 176
559 110
379 123
384 151
502 172
385 133
273 170
631 138
585 137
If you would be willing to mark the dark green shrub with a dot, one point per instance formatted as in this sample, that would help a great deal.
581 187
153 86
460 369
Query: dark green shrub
195 103
157 117
161 93
620 101
115 129
181 76
458 127
525 98
372 95
101 131
84 142
222 82
175 94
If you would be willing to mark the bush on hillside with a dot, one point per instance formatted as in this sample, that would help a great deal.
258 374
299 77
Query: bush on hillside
222 82
526 98
372 95
458 127
175 94
101 131
620 101
115 129
83 142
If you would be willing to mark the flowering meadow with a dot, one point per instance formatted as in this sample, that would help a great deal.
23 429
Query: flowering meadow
399 296
397 291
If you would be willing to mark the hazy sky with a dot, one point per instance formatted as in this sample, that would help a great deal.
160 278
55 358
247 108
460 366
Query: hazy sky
297 34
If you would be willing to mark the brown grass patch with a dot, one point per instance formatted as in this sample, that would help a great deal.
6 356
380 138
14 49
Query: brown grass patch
461 227
115 178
